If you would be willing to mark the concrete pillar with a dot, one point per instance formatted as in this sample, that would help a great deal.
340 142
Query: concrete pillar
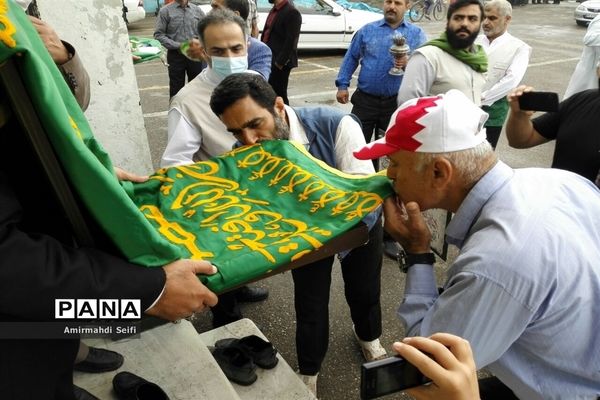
97 31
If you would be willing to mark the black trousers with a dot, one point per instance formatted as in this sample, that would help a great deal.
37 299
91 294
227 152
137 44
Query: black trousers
179 66
361 270
374 112
493 134
279 80
37 369
227 310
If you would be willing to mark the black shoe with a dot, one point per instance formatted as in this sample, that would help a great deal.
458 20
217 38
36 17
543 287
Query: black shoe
391 249
237 366
248 294
99 360
128 386
260 351
82 394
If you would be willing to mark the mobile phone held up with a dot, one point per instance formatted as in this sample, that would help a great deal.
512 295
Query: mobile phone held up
538 101
390 375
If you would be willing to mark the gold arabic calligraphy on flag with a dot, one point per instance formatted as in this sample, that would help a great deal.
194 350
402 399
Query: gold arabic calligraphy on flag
254 201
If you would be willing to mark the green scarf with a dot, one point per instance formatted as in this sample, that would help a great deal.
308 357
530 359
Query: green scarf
476 60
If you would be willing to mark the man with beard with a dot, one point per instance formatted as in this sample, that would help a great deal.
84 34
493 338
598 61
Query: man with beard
451 61
508 58
375 98
252 112
196 134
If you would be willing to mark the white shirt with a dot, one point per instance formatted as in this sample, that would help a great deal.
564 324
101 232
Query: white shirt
585 77
513 74
195 133
348 138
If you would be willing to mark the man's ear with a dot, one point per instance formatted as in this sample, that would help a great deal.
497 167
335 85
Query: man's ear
279 107
442 172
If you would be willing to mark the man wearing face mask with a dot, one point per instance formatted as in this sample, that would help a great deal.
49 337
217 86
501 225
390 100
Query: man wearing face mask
451 61
195 133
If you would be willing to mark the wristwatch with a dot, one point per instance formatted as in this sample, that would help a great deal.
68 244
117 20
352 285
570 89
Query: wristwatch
407 260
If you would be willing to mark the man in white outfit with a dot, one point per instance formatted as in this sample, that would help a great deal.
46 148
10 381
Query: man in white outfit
584 77
508 58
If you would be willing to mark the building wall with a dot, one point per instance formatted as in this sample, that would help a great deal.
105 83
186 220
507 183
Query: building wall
97 31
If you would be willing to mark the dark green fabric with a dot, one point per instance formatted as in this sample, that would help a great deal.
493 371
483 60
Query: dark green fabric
248 212
497 112
477 60
86 164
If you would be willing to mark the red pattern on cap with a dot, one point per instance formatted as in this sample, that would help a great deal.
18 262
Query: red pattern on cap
406 125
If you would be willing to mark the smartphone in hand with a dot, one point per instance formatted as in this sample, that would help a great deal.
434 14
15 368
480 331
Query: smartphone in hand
390 375
538 101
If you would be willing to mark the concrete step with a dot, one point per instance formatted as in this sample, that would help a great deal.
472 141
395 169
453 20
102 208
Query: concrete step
170 355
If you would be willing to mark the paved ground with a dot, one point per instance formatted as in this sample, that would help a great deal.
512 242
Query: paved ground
556 41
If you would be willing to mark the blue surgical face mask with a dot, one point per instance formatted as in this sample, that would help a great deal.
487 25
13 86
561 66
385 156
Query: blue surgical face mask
225 66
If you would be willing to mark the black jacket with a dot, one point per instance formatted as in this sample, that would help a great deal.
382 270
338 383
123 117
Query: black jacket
283 39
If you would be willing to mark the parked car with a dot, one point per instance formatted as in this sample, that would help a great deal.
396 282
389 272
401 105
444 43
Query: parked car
325 24
586 12
133 11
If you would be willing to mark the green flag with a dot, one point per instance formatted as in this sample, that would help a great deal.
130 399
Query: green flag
85 162
249 211
256 208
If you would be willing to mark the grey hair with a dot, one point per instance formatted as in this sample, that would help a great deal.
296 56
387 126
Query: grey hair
503 7
220 17
468 163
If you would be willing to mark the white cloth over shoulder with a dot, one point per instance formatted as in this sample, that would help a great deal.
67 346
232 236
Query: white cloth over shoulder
585 77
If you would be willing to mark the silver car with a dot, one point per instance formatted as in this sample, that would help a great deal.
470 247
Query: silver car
325 24
586 12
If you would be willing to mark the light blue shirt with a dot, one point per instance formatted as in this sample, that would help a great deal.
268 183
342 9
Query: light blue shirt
525 288
371 47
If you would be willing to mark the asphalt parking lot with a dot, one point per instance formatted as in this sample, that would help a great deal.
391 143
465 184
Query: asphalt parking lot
556 41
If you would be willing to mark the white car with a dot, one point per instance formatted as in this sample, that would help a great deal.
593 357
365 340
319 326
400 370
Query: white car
135 11
325 24
586 12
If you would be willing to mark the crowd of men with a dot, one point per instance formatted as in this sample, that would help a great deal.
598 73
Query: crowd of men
521 298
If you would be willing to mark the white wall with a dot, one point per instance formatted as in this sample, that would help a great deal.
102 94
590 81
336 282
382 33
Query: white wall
97 31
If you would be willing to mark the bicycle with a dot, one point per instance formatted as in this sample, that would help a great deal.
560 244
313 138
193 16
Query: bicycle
423 8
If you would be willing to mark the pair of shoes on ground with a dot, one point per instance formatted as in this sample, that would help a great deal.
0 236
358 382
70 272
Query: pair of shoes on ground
251 294
238 358
127 386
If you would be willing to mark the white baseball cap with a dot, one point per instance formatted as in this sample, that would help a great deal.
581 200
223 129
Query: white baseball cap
437 124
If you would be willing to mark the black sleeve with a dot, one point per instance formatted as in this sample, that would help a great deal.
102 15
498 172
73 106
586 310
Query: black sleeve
547 124
292 25
36 269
